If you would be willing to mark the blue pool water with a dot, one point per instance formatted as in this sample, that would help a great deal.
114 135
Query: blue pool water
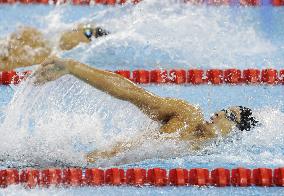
56 124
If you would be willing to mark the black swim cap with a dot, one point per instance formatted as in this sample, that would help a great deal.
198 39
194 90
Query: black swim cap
100 32
247 120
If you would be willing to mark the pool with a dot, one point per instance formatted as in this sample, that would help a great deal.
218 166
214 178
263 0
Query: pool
58 129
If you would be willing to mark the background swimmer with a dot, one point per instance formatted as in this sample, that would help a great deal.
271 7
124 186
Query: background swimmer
28 46
177 116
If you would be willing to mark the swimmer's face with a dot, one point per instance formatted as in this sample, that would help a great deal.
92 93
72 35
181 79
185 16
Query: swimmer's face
83 33
225 120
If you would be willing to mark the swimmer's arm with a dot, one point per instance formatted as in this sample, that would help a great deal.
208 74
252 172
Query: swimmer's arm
104 154
111 83
115 150
195 144
15 61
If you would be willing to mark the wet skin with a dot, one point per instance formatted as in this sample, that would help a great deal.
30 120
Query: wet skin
175 115
28 46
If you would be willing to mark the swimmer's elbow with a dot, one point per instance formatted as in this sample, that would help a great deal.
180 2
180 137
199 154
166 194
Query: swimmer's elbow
65 43
65 46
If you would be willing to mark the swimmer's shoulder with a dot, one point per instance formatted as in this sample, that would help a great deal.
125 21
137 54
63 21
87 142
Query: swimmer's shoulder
182 107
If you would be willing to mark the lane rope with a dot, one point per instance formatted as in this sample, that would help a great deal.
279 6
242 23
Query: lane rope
181 76
120 2
77 177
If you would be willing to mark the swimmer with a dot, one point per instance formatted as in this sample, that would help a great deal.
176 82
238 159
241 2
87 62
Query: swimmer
176 116
28 45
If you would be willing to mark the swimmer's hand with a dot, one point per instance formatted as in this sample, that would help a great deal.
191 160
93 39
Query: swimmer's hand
50 70
95 155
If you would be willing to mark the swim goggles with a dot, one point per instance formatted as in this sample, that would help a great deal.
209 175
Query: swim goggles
89 32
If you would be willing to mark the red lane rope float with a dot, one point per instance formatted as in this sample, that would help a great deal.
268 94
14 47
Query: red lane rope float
178 177
158 76
199 177
12 77
94 177
77 177
157 177
241 177
72 177
278 177
277 2
115 2
251 76
114 176
220 177
141 76
51 177
262 177
269 76
136 176
232 76
177 76
30 178
181 76
214 76
196 76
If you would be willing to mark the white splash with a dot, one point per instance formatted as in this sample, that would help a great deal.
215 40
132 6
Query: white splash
61 121
156 34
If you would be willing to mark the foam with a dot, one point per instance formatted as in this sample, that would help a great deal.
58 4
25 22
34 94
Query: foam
61 127
158 35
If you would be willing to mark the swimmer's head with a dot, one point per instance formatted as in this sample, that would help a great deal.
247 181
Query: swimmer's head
238 116
82 33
